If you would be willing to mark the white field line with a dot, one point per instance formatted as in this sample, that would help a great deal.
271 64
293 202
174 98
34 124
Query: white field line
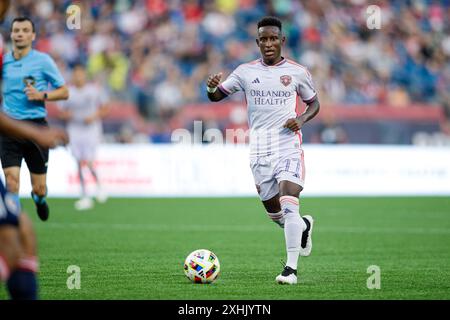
242 228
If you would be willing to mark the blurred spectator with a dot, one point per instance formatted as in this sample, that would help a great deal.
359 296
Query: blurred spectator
157 54
168 96
330 132
111 66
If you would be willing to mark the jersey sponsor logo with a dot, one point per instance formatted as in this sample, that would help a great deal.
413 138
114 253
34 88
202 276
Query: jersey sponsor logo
286 80
29 80
270 97
256 81
270 93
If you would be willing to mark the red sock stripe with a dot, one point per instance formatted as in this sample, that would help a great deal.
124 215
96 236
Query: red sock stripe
29 264
289 199
275 216
4 269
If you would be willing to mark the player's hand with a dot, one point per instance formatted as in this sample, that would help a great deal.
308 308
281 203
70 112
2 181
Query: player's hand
66 115
214 80
51 137
90 119
294 124
33 94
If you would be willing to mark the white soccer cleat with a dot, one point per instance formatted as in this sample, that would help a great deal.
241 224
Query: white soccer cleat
288 276
84 203
306 244
101 196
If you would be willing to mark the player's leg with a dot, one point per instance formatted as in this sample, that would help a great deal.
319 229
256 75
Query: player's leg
16 267
293 229
27 237
9 250
37 162
77 141
90 154
12 178
80 164
101 195
39 194
90 166
267 188
288 191
85 202
290 174
273 210
283 210
11 155
22 283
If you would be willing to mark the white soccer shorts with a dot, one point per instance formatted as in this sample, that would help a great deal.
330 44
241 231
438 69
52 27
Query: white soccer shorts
269 171
84 142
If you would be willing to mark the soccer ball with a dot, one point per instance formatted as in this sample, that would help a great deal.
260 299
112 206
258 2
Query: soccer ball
201 266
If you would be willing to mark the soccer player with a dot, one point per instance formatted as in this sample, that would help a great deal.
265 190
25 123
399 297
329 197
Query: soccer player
27 74
83 112
272 86
18 257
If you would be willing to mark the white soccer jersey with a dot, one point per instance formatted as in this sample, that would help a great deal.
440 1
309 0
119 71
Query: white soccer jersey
272 94
84 102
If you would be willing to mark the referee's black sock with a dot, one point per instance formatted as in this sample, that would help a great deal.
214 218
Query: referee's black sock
38 199
41 206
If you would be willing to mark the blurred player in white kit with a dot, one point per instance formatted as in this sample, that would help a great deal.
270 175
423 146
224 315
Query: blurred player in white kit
273 86
83 113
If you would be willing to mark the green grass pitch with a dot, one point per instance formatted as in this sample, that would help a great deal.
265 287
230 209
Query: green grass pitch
135 249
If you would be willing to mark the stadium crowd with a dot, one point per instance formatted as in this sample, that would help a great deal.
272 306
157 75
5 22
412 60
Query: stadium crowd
157 54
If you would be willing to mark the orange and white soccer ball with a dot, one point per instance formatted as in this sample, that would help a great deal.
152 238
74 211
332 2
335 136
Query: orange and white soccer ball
202 266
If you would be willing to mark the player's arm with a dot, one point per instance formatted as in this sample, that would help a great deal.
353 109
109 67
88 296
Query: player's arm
312 109
45 137
65 114
214 94
52 76
61 93
101 113
4 5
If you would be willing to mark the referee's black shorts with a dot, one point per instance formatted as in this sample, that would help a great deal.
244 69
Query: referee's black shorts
13 150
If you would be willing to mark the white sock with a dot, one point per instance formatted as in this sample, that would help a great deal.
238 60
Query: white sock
293 229
277 217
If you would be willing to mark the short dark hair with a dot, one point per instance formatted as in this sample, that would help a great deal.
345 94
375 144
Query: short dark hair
78 65
22 19
269 21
